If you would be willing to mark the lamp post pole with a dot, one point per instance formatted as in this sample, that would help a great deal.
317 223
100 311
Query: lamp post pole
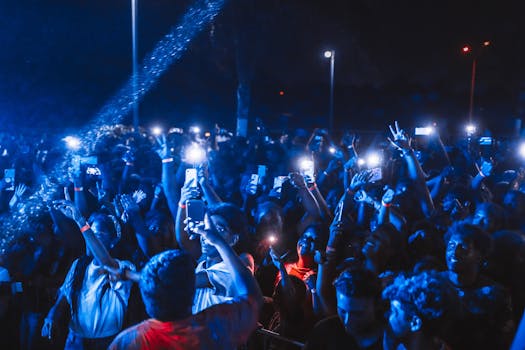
134 64
331 55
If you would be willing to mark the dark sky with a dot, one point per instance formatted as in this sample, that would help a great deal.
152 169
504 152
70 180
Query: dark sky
62 60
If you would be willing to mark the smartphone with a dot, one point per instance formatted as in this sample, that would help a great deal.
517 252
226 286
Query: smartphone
195 210
191 177
261 171
91 160
93 171
485 141
425 131
377 174
254 181
307 170
9 178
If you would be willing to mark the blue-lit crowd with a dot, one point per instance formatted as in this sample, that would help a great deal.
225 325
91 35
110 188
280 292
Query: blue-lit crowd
180 239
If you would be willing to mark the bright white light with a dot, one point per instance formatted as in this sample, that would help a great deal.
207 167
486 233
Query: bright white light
305 163
272 239
72 142
195 129
521 150
332 150
470 128
328 54
428 130
195 154
156 130
373 160
361 162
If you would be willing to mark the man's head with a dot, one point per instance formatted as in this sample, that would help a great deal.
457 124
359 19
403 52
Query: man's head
167 285
357 292
466 247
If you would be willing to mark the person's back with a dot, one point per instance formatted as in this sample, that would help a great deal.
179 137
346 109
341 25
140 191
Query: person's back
167 286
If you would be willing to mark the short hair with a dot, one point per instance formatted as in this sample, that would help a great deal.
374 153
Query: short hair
359 283
167 285
481 240
236 221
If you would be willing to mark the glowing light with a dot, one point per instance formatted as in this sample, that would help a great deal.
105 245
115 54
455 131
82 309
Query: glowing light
361 162
486 43
332 150
521 150
427 130
207 134
305 163
272 239
470 129
281 93
72 142
465 49
195 129
156 130
195 154
328 54
373 160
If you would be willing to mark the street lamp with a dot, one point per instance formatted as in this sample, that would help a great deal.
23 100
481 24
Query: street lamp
467 49
331 55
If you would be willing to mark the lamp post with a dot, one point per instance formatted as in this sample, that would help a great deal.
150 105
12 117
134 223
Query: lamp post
331 55
134 64
466 50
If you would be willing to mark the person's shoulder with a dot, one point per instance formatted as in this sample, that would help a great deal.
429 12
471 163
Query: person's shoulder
132 337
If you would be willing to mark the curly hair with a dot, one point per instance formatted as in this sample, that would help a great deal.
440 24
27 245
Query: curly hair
429 294
358 282
481 240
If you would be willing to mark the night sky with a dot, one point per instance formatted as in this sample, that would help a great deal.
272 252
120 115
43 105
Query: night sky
62 60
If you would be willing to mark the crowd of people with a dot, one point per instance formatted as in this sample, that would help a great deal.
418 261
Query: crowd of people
289 240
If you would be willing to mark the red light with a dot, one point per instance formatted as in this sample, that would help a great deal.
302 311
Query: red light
281 93
465 49
486 43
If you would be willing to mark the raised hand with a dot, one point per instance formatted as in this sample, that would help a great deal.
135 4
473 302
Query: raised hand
486 168
69 210
138 196
388 196
19 191
101 192
400 141
360 179
47 328
162 148
129 205
297 180
277 259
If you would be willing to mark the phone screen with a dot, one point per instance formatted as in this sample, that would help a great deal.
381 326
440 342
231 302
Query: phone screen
9 178
377 174
195 210
261 171
191 177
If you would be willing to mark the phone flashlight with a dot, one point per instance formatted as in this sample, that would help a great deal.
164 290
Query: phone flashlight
195 154
272 239
521 150
72 142
332 150
373 160
424 131
156 130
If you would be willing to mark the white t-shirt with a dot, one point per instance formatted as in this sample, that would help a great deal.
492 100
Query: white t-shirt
102 303
222 287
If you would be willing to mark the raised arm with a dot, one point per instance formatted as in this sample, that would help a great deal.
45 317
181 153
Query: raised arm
415 172
93 243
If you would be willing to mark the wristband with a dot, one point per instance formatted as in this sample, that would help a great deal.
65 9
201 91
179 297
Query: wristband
79 189
85 228
182 205
313 187
386 205
167 160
